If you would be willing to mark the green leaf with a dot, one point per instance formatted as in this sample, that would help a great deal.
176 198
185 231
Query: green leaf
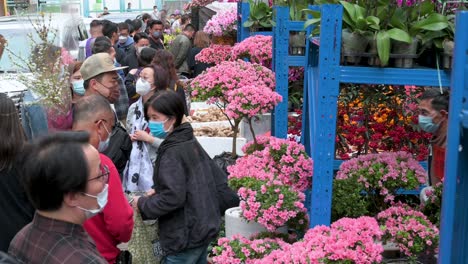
431 19
398 19
425 8
265 24
436 26
311 22
248 23
360 11
383 46
350 9
361 24
400 35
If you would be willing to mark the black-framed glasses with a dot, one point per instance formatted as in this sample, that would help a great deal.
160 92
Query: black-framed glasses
104 176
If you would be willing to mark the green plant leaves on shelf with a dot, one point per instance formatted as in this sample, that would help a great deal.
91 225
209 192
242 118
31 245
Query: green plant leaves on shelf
383 46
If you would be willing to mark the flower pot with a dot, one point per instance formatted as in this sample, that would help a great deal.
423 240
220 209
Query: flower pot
374 59
448 46
404 53
297 44
224 40
353 46
236 225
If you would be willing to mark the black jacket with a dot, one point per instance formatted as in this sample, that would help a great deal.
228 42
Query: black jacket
156 44
130 60
16 210
196 67
186 200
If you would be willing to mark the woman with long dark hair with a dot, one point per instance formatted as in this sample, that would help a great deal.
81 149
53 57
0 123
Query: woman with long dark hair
16 210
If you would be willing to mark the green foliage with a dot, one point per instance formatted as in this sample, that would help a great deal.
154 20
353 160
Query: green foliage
260 15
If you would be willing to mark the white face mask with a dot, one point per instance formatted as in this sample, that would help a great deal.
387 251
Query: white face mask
142 87
101 200
139 49
123 39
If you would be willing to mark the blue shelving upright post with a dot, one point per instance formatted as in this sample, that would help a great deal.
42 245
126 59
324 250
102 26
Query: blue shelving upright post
243 11
323 99
281 67
454 219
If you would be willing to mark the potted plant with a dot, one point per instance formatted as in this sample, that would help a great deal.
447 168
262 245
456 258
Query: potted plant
223 27
257 49
369 183
345 241
410 230
260 16
216 83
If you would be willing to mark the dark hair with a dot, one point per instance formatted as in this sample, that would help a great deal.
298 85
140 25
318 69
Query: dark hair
95 23
165 59
184 19
136 23
190 28
123 25
101 44
161 77
109 28
153 22
97 77
55 166
140 35
11 132
146 57
168 103
86 108
439 101
145 16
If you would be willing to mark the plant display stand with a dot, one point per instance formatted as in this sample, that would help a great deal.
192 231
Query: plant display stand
324 74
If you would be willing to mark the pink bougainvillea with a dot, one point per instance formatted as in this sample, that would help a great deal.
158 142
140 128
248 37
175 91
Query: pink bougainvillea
223 23
214 54
258 49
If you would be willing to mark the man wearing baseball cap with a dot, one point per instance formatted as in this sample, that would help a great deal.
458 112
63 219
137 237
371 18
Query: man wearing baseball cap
100 77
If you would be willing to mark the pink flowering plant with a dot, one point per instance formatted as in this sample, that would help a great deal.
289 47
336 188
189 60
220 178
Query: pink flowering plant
410 230
214 54
345 241
271 158
258 49
217 85
223 23
431 208
243 250
368 184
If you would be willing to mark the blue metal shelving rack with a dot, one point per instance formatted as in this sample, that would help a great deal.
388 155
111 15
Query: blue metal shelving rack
324 74
454 219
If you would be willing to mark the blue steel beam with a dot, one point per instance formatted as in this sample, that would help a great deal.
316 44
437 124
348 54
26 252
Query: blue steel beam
454 219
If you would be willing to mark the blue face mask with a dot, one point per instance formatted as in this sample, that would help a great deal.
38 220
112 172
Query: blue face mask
157 128
78 87
426 124
157 34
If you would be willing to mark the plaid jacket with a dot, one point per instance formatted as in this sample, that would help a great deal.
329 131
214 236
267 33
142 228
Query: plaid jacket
49 241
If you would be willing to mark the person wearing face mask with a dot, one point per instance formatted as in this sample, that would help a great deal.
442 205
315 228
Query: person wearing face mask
144 59
76 81
433 118
185 200
66 183
126 41
156 28
138 175
131 59
114 224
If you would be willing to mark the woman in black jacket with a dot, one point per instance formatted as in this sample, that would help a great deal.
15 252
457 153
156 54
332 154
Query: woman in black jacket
16 210
185 199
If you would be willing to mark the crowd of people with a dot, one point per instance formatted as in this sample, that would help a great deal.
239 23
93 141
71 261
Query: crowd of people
65 189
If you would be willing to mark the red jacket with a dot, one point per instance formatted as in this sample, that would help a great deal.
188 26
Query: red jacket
114 224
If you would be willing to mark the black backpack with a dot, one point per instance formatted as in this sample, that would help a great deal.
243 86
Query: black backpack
120 147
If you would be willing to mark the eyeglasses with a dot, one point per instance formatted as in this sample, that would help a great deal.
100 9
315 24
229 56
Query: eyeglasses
112 128
104 176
